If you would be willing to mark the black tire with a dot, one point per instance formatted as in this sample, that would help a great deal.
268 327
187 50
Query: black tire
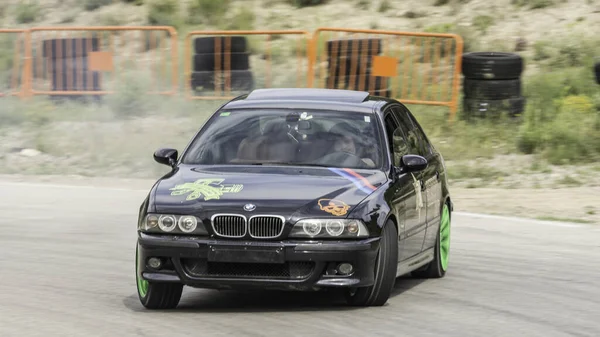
69 47
204 79
158 295
492 65
491 89
345 47
385 267
484 108
67 64
597 70
240 80
73 80
434 268
207 62
360 66
376 83
206 45
380 87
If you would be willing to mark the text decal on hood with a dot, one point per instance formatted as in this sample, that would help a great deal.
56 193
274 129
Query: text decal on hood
209 188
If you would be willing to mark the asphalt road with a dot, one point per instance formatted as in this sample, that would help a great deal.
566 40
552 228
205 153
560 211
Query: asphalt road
67 269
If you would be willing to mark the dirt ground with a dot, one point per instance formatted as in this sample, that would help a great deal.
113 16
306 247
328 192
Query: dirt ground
572 204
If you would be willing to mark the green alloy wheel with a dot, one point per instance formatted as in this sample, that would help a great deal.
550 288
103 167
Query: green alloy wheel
445 237
438 267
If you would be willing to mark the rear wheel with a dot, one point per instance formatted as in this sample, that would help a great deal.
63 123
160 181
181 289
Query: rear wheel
156 295
385 272
438 267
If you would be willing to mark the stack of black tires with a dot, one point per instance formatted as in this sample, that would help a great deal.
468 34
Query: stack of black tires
349 64
66 60
492 84
221 63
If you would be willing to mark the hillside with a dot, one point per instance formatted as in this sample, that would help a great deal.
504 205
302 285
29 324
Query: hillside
484 24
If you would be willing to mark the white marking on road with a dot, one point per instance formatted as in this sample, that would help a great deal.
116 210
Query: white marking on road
74 186
516 219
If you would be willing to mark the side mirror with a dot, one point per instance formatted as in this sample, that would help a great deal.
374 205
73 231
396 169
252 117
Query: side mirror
412 163
166 156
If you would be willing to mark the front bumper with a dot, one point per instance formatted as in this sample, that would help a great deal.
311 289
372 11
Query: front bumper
227 264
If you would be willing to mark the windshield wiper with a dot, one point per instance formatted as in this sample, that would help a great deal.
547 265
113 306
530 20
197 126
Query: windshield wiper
288 163
274 163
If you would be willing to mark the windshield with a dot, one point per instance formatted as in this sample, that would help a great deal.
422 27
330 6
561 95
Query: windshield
288 137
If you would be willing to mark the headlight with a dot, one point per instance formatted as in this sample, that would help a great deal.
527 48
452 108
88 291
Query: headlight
329 228
171 223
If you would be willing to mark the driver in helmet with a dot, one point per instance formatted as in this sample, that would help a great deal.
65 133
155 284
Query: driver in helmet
345 135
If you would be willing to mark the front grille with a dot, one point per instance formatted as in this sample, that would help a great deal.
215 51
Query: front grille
288 270
231 226
265 226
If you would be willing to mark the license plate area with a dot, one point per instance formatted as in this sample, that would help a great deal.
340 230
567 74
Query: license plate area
244 254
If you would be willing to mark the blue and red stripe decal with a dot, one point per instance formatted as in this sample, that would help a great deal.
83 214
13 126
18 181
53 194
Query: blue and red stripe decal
359 181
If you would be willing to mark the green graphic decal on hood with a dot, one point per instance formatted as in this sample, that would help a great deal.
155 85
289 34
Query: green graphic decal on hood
209 188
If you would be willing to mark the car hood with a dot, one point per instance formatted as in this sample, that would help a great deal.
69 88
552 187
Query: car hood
273 190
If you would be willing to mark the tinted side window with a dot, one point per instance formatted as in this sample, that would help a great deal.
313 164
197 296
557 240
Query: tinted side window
401 146
416 140
396 137
390 127
421 135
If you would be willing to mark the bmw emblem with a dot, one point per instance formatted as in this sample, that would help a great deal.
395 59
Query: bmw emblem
249 207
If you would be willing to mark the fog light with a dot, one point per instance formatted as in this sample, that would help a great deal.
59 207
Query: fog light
154 263
345 268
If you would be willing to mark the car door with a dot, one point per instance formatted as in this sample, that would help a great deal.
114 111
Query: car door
432 184
418 210
397 193
404 197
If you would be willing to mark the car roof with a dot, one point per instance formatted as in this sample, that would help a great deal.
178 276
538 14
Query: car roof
309 98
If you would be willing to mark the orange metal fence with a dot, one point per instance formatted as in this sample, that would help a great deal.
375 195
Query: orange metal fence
223 64
12 61
415 68
101 60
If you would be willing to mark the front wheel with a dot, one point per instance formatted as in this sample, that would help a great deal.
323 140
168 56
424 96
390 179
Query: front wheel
156 295
386 265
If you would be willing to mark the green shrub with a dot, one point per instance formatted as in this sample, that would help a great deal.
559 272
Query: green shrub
306 3
164 13
242 20
483 22
91 5
27 12
541 50
533 4
207 11
562 120
3 8
363 4
384 6
135 2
